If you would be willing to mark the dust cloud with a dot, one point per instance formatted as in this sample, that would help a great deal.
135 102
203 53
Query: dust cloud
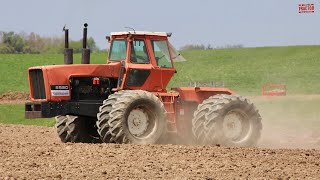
290 122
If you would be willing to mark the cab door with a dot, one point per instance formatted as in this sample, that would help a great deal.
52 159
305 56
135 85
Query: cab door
163 62
141 73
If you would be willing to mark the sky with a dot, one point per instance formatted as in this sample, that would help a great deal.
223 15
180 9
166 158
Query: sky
252 23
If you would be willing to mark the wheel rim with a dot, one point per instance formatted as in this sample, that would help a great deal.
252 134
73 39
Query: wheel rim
140 122
235 126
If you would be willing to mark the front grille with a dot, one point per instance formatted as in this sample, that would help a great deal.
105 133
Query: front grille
37 84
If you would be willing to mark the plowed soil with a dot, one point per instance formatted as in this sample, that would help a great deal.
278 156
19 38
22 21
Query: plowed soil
30 152
14 97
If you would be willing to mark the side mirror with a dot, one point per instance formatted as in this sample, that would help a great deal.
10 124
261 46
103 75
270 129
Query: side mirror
108 38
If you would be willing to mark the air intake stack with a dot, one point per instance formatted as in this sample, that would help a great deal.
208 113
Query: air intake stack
85 50
68 52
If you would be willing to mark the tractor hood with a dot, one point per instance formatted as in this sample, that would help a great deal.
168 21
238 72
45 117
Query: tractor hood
43 78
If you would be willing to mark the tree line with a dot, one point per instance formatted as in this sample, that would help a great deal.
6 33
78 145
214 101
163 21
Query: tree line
32 43
209 46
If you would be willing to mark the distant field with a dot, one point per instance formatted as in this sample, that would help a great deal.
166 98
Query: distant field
14 114
243 70
13 68
246 69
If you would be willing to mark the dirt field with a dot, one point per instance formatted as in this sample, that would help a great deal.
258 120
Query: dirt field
35 152
289 148
14 98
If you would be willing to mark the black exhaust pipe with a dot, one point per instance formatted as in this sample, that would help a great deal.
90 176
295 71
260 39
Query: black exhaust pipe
85 50
68 52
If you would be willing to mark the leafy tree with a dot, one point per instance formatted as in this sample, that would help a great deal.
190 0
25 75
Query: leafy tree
34 44
77 45
92 45
53 45
11 42
4 49
14 42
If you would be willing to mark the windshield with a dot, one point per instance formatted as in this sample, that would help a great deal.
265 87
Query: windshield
139 53
161 53
118 50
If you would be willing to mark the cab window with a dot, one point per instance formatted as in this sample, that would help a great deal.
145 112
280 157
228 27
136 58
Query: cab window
118 50
139 53
161 53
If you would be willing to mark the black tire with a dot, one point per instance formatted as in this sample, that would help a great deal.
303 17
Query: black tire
61 127
136 117
199 119
81 130
103 117
215 120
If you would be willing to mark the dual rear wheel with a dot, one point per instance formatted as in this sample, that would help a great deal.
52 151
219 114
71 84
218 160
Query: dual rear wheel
228 120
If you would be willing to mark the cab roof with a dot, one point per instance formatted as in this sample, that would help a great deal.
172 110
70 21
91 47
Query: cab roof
140 33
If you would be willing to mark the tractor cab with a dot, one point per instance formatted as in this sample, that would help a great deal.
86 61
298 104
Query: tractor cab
146 59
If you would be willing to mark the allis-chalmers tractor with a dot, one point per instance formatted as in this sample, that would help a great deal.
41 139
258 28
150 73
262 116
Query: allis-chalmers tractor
126 100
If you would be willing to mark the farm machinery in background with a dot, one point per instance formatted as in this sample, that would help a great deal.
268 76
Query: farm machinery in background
126 101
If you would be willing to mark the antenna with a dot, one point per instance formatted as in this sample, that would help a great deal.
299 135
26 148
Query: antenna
131 29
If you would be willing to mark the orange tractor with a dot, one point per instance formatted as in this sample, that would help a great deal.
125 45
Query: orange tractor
126 100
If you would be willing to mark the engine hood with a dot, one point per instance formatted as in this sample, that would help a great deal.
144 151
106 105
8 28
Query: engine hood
59 75
105 70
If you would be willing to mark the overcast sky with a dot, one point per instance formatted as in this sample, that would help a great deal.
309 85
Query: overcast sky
248 22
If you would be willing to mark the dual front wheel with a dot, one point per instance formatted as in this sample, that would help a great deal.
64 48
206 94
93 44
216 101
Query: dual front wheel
76 129
136 117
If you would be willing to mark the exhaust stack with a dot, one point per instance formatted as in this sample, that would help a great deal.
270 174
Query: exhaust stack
68 52
85 50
